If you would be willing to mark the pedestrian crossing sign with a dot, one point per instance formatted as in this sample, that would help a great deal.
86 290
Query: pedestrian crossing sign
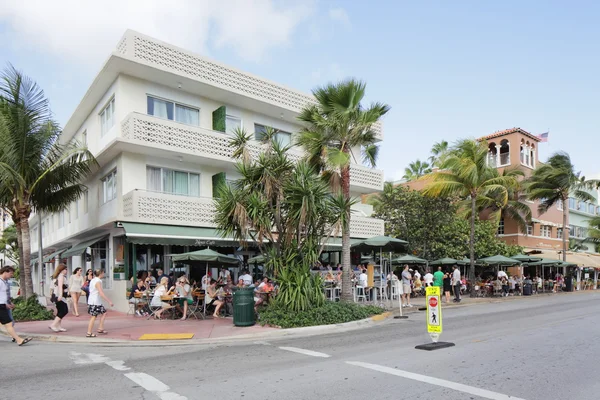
434 310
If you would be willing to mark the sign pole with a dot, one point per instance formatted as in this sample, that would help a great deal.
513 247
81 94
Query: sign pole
434 320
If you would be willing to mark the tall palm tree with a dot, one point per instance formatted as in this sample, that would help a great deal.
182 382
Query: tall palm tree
36 172
439 151
415 170
553 182
334 127
465 174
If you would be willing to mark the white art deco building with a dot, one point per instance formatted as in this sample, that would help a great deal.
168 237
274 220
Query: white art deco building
158 119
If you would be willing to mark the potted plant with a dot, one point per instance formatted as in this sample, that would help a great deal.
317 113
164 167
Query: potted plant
119 273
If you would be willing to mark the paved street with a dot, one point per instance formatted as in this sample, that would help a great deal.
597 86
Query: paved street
531 348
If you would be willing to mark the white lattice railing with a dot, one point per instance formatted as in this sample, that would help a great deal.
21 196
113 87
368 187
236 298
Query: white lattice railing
162 208
161 55
169 135
168 209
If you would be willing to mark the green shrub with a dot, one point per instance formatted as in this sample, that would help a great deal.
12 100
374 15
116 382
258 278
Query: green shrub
327 314
30 310
299 289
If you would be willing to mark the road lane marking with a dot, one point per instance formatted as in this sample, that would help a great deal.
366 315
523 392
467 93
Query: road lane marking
486 394
306 352
145 381
148 382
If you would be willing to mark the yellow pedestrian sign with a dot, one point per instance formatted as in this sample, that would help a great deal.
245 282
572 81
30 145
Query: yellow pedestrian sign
434 310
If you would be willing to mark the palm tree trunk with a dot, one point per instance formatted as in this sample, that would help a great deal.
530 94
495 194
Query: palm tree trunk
472 242
346 281
26 244
564 236
22 285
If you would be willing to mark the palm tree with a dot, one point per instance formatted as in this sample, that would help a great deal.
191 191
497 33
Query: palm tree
336 125
439 151
553 182
465 174
37 173
415 170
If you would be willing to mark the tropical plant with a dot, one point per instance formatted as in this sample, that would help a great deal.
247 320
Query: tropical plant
299 289
334 127
594 232
553 182
439 152
36 171
415 170
466 175
285 209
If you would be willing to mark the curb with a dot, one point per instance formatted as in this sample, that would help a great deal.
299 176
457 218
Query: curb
281 333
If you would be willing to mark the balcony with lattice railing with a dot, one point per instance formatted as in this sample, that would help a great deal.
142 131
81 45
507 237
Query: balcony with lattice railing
167 209
156 132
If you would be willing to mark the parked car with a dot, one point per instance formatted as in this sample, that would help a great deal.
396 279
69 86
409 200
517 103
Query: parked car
15 290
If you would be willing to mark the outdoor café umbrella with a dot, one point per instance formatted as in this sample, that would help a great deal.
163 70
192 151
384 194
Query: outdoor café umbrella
408 259
447 261
206 256
259 259
499 261
383 243
526 258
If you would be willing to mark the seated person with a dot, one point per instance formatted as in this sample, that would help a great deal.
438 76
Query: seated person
245 280
161 290
138 289
329 276
184 290
212 298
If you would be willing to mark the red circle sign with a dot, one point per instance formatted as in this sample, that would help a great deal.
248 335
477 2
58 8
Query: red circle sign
433 302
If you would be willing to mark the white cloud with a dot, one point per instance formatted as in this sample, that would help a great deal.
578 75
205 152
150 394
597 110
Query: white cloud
339 15
332 73
85 31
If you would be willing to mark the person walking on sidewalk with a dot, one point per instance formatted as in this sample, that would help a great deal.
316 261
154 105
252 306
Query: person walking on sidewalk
59 297
6 306
95 306
75 285
406 279
456 283
438 278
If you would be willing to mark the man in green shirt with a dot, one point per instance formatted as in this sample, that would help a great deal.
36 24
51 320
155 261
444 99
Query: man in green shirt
438 278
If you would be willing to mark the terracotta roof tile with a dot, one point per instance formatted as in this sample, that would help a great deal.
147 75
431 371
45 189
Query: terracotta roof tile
508 131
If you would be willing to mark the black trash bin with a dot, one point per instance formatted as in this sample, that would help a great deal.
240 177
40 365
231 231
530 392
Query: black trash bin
527 289
569 284
243 307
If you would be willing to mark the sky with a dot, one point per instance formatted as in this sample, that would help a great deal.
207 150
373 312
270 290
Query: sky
448 69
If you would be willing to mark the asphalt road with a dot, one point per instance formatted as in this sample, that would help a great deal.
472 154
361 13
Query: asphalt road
535 348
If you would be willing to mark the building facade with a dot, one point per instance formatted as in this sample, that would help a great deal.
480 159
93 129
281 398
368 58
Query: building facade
580 214
159 120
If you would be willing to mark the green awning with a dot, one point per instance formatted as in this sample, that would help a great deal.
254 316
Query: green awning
175 235
50 257
80 248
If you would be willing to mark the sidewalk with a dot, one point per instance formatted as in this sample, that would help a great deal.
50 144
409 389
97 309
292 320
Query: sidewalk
121 326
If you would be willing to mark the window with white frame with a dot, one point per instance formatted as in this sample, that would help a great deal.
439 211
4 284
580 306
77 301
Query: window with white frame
559 205
284 138
546 231
109 187
68 213
85 202
107 117
76 209
170 181
559 233
572 203
501 227
44 226
232 123
84 138
591 208
529 229
34 235
173 111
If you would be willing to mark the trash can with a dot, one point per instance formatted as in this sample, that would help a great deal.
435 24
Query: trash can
243 307
527 289
569 284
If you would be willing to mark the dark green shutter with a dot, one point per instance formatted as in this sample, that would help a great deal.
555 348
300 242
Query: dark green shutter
219 118
218 182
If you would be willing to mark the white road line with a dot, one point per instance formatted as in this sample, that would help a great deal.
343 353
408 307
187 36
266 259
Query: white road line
306 352
147 382
487 394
